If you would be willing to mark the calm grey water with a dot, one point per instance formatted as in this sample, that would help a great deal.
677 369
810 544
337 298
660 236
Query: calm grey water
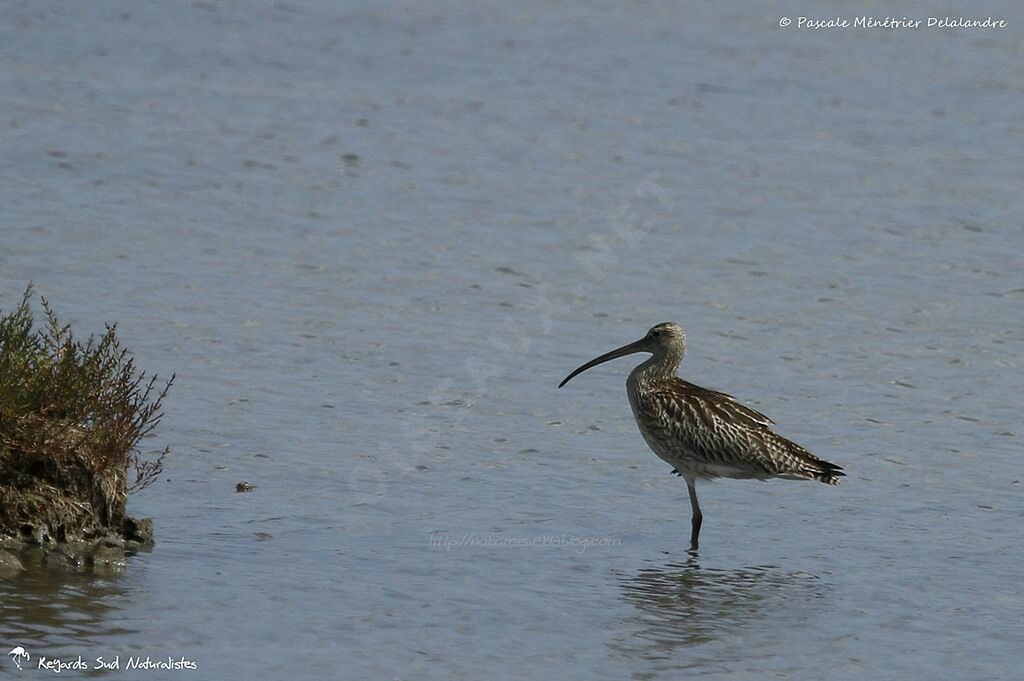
370 238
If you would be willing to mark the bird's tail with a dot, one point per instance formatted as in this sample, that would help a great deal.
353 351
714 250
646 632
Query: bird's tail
828 473
811 467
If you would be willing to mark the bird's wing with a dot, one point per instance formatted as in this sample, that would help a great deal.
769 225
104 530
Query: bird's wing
722 432
724 402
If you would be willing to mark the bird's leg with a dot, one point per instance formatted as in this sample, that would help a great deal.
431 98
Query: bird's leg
695 521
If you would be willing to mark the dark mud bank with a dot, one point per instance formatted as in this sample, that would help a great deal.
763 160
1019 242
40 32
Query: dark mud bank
105 550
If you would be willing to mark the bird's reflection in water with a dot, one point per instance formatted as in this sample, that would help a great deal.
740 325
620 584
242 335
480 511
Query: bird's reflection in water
686 615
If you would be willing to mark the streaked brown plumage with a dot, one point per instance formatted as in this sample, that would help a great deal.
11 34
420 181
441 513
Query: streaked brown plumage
704 433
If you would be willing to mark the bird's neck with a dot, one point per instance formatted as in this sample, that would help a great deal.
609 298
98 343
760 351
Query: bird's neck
657 367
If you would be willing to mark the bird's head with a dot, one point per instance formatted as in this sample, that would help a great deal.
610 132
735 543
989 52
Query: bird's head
666 340
665 336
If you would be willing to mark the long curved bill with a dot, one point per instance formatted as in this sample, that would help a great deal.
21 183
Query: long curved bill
635 346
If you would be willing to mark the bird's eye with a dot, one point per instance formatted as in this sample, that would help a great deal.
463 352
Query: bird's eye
655 333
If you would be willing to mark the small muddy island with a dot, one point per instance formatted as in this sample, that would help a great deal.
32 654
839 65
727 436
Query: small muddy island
72 414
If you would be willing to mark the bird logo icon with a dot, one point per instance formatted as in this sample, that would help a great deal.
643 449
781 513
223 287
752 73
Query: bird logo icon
19 655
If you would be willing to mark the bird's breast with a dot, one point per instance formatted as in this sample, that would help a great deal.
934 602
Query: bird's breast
664 440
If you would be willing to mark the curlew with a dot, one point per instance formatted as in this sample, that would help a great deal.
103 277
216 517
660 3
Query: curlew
702 433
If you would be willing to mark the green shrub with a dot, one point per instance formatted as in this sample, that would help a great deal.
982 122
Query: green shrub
72 415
